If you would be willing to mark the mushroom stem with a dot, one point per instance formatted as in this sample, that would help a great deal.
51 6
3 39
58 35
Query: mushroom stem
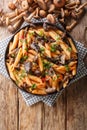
81 7
15 26
69 27
29 17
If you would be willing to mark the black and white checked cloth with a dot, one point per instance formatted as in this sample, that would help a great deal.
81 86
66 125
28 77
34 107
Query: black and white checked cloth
49 99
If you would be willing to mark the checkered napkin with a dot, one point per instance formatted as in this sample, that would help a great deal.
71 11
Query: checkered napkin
49 99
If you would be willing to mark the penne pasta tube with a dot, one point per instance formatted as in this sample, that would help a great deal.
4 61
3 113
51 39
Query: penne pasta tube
28 81
54 81
54 55
74 71
47 46
15 41
48 53
40 63
53 34
18 57
65 48
11 72
60 69
43 92
72 63
41 85
35 78
65 83
24 46
10 45
21 36
59 32
72 45
32 52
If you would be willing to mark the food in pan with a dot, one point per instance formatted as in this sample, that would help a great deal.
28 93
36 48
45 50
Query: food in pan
41 61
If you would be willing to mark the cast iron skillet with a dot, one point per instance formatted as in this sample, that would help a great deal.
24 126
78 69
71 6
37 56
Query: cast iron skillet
39 23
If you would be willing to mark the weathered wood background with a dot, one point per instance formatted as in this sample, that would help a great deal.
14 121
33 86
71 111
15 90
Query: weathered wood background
68 113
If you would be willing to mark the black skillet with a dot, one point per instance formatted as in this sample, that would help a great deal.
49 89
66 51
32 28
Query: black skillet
39 23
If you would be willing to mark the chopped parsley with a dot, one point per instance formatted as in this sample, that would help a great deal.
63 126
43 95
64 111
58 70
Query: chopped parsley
24 58
47 65
58 75
31 34
23 74
53 47
23 40
26 49
69 49
33 86
42 49
57 37
67 68
41 33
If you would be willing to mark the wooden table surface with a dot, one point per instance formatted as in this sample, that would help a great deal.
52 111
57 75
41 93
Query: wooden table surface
68 113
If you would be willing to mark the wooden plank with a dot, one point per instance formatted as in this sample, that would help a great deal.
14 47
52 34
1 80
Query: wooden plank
8 105
54 117
29 117
77 106
41 116
76 109
8 93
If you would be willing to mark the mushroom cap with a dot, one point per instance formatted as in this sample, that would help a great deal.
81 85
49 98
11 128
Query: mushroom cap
59 3
11 28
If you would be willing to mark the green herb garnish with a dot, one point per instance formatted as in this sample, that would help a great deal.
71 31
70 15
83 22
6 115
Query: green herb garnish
47 65
53 47
23 40
24 58
31 34
58 75
57 37
41 33
69 49
23 74
67 68
26 49
42 49
33 86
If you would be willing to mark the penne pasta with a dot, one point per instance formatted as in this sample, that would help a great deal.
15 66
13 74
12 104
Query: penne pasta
18 57
54 81
28 81
11 72
33 52
72 45
65 48
40 61
42 92
35 78
21 37
15 41
10 45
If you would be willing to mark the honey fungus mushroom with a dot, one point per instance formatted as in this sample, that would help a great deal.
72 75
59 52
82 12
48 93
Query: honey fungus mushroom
59 3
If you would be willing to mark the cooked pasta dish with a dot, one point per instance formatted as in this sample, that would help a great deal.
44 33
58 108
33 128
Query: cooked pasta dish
41 61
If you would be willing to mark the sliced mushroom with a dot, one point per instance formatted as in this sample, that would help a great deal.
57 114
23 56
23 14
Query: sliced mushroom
35 47
62 61
50 90
27 66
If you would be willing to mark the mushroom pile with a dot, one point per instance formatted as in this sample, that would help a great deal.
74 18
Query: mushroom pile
24 10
